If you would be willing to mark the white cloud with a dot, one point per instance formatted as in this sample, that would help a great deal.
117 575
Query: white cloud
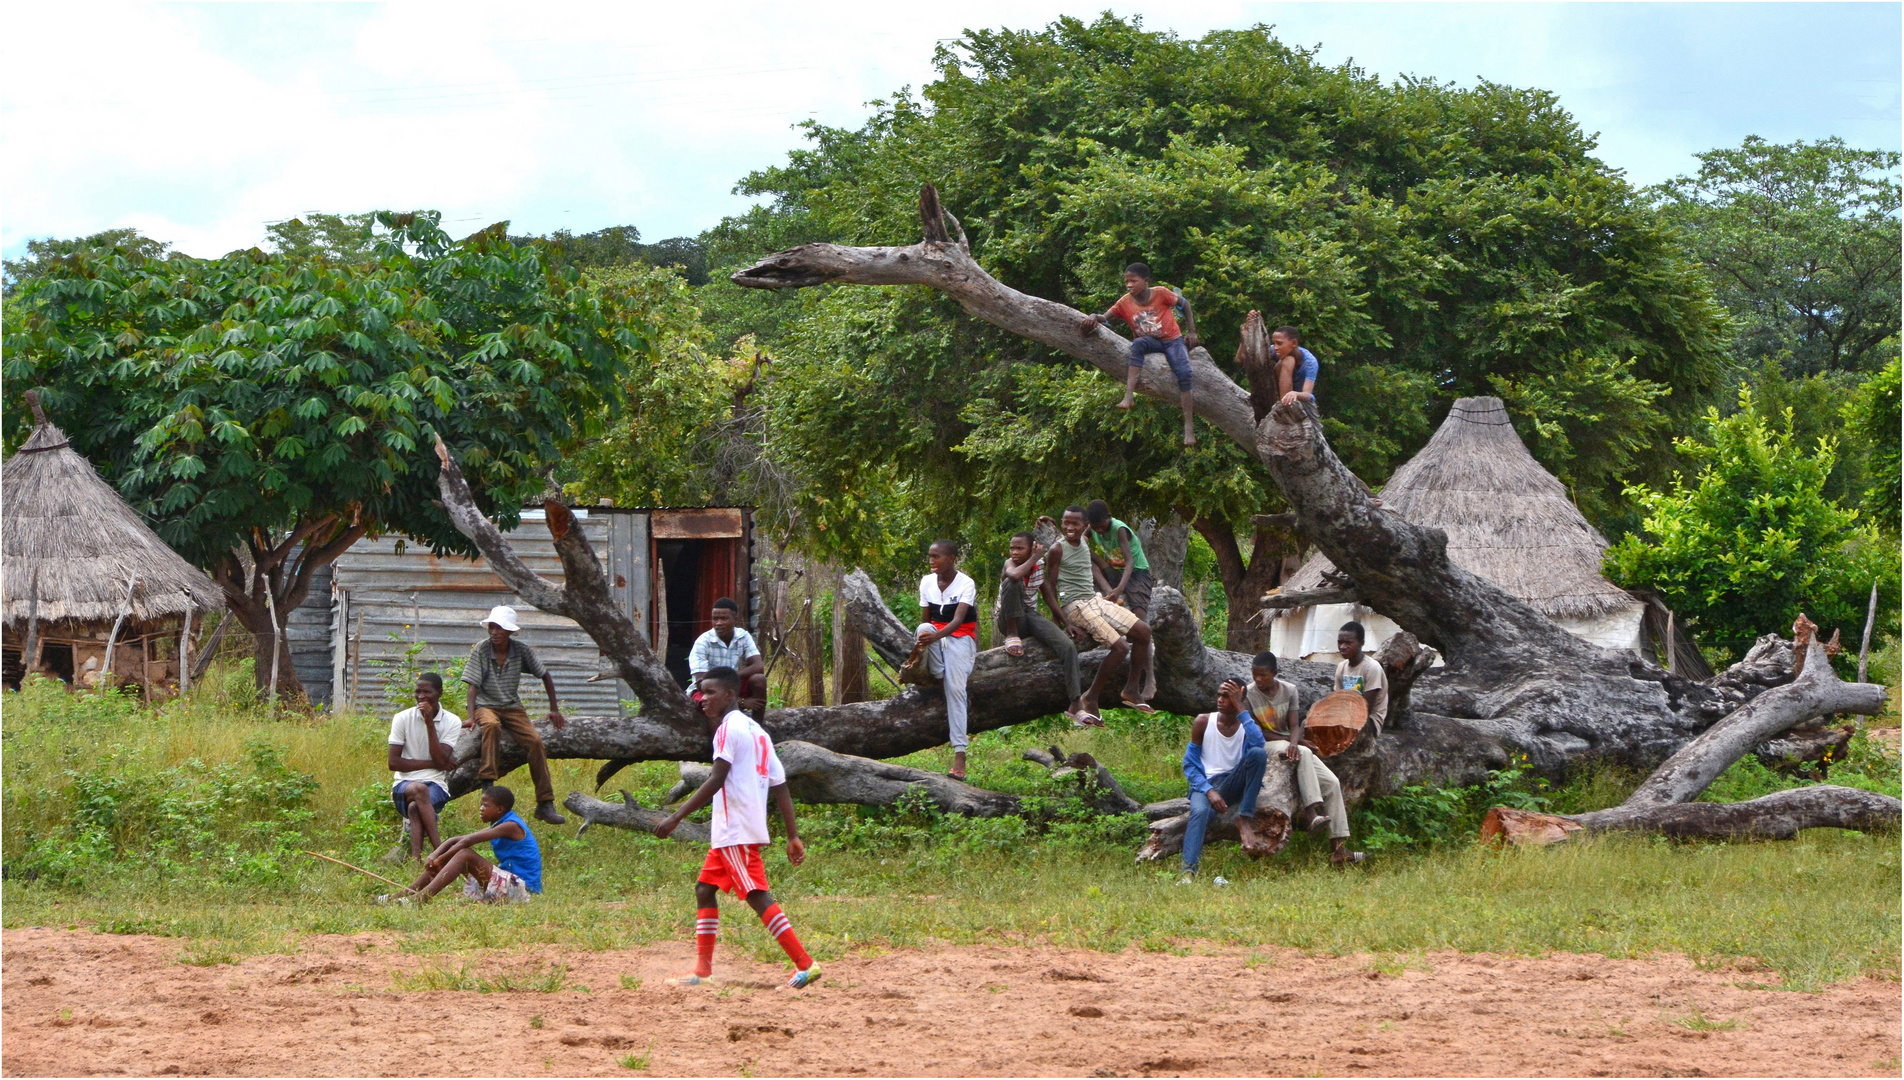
199 124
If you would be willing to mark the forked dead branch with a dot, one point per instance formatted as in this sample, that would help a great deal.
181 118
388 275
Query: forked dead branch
1515 684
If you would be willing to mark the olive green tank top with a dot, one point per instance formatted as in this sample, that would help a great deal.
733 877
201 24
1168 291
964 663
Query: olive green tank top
1074 573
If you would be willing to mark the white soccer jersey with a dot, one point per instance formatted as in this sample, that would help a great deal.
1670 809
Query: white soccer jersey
740 807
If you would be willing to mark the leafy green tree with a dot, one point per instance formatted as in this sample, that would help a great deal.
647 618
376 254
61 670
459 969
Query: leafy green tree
1430 241
43 255
1802 240
264 411
618 246
338 237
1874 419
1752 541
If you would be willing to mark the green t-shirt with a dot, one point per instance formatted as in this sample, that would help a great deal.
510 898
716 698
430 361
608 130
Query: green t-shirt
1108 546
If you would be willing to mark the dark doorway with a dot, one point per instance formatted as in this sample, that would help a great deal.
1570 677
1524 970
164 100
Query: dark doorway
698 572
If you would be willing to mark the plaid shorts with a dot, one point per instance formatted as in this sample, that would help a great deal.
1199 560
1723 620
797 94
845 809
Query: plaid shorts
503 887
1103 620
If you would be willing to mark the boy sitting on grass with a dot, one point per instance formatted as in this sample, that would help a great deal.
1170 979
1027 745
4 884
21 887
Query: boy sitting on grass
1151 313
517 873
1277 708
422 741
747 773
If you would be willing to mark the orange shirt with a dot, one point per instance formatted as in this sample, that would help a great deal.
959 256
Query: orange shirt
1154 319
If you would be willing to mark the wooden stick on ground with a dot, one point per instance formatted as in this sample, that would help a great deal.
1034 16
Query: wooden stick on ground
1870 616
359 869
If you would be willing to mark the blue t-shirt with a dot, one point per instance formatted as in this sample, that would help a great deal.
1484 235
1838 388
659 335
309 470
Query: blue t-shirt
1305 368
520 857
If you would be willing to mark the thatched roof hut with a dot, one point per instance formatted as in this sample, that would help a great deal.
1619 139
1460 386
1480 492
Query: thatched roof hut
70 545
1507 519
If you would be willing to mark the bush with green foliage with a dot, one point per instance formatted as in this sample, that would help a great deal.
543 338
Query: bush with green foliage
1752 541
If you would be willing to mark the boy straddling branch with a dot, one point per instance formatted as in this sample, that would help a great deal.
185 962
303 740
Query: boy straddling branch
747 773
1020 583
517 872
421 755
1152 315
1295 365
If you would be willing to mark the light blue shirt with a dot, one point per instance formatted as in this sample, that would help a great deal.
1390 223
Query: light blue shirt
1305 369
710 651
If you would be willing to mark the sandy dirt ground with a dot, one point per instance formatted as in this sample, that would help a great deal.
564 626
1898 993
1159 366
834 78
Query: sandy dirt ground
79 1003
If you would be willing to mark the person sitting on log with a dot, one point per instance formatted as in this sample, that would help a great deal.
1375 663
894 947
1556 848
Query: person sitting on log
1276 705
1152 315
516 874
1083 613
1295 365
1360 672
950 636
1224 763
1020 583
1117 550
421 754
494 673
730 646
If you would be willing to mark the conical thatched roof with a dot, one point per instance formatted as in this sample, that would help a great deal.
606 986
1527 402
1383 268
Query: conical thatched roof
60 520
1507 519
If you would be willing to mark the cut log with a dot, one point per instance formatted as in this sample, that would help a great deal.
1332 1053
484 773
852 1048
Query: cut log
1778 816
1275 813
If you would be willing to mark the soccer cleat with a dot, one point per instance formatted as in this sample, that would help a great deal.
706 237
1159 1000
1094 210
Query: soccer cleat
689 980
803 979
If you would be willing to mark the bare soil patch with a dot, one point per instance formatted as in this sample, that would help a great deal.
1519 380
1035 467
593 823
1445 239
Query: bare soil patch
80 1003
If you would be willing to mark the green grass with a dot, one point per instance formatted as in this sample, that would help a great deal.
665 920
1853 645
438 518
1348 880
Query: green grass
873 880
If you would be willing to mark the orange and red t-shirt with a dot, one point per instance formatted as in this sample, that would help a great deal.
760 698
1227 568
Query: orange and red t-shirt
1154 319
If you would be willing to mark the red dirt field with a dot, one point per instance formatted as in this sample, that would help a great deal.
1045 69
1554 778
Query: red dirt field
80 1003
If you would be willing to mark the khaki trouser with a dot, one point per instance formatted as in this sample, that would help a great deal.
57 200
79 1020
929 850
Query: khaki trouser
491 722
1316 784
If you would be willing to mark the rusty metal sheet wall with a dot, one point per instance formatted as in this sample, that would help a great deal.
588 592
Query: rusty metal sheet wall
399 611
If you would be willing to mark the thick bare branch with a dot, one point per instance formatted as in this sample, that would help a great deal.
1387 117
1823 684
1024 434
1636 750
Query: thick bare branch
461 507
1303 598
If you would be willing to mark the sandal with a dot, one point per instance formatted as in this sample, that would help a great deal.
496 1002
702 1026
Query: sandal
1014 646
1140 706
1086 719
959 776
1348 858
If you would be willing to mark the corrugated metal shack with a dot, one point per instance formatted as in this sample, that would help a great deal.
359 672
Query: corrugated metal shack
391 609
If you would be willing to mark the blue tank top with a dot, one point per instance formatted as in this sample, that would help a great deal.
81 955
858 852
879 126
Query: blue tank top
520 857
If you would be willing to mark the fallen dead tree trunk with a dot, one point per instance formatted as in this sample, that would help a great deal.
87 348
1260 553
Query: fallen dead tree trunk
1663 803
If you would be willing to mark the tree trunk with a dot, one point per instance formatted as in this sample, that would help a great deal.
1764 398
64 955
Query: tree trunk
1244 583
1166 545
849 658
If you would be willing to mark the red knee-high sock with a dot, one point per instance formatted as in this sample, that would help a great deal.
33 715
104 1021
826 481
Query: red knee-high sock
775 920
707 929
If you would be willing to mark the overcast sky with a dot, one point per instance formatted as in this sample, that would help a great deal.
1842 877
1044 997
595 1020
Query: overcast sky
199 124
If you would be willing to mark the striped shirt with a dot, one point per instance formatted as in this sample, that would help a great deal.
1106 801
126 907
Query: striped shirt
710 651
496 684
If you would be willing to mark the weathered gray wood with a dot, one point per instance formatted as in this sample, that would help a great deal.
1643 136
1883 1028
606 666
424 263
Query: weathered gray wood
628 814
277 640
184 652
1303 598
112 638
1870 619
210 651
1687 773
29 651
1778 816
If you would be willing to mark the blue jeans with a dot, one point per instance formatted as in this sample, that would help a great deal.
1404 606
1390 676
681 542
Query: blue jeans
1174 351
400 795
1238 788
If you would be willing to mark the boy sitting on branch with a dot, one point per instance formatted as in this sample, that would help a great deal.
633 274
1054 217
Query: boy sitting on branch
1152 315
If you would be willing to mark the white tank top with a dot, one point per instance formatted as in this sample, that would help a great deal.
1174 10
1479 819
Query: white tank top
1221 753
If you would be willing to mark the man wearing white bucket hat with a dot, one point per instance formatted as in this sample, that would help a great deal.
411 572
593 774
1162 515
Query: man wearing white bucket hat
494 673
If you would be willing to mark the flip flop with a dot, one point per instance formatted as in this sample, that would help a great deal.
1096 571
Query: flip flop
1085 719
1140 706
1015 646
960 777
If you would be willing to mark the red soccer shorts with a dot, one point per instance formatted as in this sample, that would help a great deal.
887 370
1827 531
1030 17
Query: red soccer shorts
737 869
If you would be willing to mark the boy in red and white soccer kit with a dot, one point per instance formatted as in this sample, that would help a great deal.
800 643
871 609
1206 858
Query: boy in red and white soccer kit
747 773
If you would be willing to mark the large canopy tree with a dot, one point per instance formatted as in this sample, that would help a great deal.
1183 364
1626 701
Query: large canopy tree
1430 241
1803 241
265 410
